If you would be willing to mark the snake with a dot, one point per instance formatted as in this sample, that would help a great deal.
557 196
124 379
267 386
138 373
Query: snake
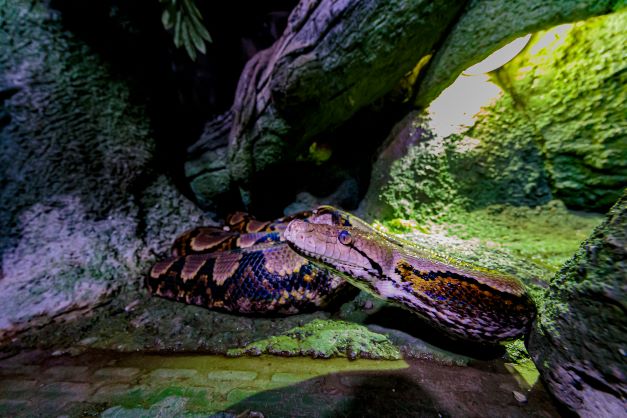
313 259
462 300
246 267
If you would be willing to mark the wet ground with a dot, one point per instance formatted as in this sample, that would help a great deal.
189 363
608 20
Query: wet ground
109 384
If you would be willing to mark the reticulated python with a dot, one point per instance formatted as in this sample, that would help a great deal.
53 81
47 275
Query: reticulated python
305 261
246 267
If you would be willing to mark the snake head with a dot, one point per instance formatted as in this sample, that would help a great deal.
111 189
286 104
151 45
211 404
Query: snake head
350 251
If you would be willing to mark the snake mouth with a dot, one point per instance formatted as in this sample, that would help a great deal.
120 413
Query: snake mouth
352 271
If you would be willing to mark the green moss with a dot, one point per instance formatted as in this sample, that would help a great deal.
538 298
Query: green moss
546 235
496 161
595 269
325 339
421 185
570 83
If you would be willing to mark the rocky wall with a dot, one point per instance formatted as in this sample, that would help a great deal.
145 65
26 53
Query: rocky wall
82 212
578 342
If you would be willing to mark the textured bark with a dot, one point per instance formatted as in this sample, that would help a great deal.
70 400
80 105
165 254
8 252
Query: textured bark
206 167
334 58
578 342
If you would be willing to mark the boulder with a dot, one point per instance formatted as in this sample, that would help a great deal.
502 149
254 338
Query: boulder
82 212
476 34
578 342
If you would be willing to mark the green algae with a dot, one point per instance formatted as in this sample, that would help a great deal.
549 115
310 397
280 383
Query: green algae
325 339
220 382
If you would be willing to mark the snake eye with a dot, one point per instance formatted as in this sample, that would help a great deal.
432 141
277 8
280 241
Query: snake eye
344 237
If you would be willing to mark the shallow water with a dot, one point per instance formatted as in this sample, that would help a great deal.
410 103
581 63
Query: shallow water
38 383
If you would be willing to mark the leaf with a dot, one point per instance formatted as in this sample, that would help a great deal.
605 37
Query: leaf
166 19
201 30
192 9
177 29
188 43
186 21
199 43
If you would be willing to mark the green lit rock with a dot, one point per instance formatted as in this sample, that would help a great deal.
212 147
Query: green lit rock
325 339
570 83
578 342
477 34
556 128
496 161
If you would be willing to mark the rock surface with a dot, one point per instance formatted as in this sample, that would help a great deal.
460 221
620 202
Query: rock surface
570 83
475 35
547 127
495 161
578 342
82 214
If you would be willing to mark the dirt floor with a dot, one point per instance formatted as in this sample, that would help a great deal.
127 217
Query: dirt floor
110 384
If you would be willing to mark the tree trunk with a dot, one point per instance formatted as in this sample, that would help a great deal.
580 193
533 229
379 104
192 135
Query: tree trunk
334 58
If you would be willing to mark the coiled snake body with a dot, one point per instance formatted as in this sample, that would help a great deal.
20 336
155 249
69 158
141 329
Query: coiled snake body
246 268
305 261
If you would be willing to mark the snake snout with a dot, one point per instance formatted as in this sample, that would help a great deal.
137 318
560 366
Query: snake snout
296 230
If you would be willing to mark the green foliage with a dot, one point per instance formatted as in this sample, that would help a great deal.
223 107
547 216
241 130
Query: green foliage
186 21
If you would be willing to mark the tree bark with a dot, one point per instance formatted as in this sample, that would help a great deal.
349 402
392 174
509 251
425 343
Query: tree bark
334 58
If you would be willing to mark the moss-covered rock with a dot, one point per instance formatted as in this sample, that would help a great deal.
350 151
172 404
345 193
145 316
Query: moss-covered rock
496 161
570 84
552 128
82 214
578 342
487 25
325 339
